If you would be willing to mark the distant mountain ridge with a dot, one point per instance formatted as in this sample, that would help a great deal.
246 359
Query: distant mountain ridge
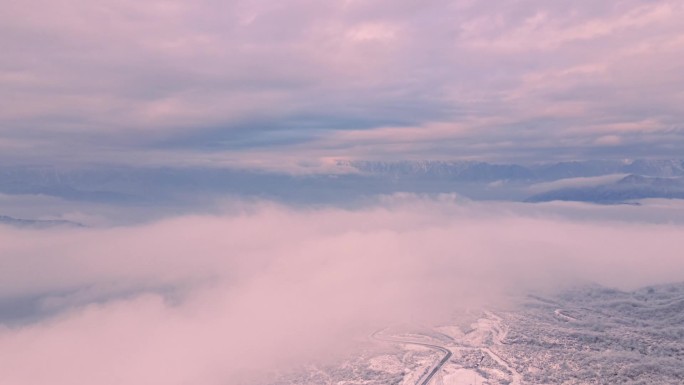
631 187
354 181
460 170
473 171
643 178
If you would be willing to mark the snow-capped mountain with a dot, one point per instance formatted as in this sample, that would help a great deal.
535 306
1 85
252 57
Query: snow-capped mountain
474 180
469 171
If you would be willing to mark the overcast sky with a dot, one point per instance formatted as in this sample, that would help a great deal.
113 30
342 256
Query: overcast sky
304 82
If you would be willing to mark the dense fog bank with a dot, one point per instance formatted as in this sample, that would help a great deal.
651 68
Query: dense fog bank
203 299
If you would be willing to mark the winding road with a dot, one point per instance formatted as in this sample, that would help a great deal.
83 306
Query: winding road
488 328
425 380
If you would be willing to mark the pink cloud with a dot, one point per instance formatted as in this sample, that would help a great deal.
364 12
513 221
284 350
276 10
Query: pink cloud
271 286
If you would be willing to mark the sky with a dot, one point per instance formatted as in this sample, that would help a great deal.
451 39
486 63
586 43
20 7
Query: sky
299 84
216 287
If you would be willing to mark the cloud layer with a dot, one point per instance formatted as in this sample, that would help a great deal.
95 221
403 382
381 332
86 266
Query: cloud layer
258 82
209 299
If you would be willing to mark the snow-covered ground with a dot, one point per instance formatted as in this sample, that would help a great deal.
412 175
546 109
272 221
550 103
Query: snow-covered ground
590 335
459 376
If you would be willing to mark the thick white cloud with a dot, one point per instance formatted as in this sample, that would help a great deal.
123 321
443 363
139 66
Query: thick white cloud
207 299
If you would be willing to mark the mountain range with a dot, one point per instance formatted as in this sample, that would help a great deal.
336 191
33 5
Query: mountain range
603 181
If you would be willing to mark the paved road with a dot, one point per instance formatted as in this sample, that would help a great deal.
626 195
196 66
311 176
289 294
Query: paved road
426 379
